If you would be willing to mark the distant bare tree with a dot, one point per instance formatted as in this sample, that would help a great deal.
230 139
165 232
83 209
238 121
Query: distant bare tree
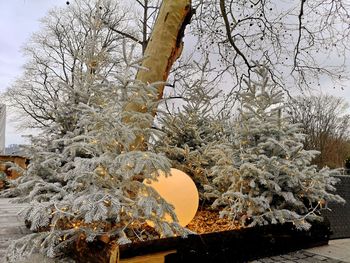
147 13
60 58
326 125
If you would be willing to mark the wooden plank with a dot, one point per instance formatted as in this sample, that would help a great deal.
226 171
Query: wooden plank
19 160
150 258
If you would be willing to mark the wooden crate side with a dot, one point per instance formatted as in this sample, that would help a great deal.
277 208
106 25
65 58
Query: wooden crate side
19 160
149 258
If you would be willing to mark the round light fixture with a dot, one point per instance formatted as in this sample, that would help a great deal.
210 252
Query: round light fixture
179 190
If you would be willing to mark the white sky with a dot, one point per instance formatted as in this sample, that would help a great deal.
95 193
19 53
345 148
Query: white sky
18 20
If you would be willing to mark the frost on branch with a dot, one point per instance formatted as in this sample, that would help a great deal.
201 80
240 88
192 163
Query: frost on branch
264 176
191 130
87 181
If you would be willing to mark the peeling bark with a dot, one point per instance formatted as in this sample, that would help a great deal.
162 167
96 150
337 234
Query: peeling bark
165 44
163 49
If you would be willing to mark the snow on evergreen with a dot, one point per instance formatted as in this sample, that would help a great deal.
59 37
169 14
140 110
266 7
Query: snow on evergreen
190 130
85 178
264 176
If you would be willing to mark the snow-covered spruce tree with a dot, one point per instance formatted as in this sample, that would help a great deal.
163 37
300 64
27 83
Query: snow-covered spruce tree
87 182
265 175
190 129
3 181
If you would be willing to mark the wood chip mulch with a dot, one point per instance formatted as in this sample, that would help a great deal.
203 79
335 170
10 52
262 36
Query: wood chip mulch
207 221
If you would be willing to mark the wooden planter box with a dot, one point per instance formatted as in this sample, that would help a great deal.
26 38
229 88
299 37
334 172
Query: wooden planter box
19 160
227 246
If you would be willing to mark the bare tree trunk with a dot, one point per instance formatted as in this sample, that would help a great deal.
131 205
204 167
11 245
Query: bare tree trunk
163 49
165 44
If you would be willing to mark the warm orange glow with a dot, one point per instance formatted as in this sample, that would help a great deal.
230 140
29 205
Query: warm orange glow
180 191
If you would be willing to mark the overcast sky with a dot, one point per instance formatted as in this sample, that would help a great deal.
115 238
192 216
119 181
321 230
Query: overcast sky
18 20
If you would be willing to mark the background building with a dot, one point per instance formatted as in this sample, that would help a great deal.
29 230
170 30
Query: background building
2 128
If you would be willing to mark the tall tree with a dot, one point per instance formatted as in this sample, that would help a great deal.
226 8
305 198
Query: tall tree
163 48
52 74
326 124
57 61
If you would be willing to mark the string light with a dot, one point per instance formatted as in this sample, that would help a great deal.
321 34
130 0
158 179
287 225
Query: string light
94 142
322 203
101 171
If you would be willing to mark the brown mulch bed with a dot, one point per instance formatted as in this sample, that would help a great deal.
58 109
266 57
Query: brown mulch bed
207 221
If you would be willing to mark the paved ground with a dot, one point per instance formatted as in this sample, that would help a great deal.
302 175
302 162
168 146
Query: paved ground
337 249
336 252
10 225
302 256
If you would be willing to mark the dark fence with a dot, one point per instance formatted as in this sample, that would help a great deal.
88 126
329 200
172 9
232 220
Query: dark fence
339 217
